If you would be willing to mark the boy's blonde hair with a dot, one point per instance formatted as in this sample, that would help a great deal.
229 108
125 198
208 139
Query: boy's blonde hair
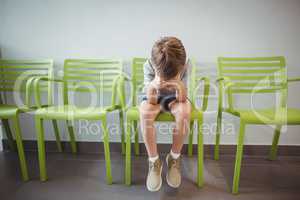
168 57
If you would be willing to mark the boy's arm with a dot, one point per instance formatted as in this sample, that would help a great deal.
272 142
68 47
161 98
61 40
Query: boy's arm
149 75
181 93
150 88
187 70
152 96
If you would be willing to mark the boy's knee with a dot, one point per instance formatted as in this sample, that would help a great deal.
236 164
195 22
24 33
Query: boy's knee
184 115
183 111
144 108
148 111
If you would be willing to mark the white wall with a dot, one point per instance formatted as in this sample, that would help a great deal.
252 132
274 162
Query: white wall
62 29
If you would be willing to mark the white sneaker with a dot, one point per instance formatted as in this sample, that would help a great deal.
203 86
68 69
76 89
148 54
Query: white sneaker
174 171
154 180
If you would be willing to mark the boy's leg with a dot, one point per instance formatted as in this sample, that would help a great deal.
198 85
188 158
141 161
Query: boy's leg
181 112
148 113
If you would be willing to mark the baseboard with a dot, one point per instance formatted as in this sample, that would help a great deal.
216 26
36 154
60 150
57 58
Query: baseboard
97 147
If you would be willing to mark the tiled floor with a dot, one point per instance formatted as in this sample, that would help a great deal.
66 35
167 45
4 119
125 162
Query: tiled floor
82 177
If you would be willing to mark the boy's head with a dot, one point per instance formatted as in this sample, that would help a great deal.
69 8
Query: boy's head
168 57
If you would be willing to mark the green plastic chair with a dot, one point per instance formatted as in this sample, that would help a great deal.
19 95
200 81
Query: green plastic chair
80 75
132 114
253 76
16 78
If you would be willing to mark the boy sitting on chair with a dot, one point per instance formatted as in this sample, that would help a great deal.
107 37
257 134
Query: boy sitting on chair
165 79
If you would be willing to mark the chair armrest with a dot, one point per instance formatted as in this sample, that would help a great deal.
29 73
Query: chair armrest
36 88
296 79
225 80
115 91
29 85
225 85
205 92
121 91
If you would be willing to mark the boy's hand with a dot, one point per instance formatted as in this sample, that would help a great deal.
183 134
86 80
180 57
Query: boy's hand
178 86
151 93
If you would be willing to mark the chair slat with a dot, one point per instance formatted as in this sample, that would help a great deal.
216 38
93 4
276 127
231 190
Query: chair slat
139 76
140 69
21 89
257 84
94 72
23 72
258 90
253 65
17 72
20 67
90 83
250 71
88 90
93 61
138 64
253 59
47 62
12 83
90 75
255 78
90 78
93 66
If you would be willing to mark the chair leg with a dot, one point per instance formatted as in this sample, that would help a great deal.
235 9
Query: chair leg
121 118
200 179
191 136
41 148
20 148
136 138
72 137
128 153
274 148
218 135
238 158
11 142
57 136
106 151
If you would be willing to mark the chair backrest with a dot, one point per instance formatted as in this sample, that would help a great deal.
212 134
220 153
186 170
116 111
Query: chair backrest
251 75
195 78
15 73
137 75
90 75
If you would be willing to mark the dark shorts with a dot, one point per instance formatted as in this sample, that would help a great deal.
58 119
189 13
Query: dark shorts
164 101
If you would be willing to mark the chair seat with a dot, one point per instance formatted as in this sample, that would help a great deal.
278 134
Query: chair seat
133 114
8 111
268 116
72 112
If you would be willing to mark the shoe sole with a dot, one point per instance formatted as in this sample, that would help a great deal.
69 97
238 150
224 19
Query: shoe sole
160 184
167 177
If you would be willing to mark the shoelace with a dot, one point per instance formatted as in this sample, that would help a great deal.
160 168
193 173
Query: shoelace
154 166
175 163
